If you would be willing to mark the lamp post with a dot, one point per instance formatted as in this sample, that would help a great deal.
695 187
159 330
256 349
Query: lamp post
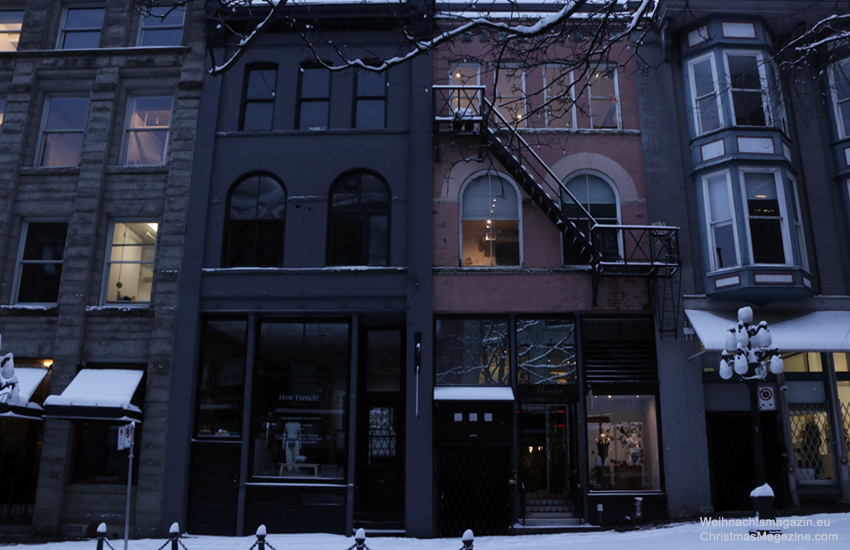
750 354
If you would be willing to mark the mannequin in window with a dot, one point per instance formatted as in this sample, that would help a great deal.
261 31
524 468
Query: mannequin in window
602 443
10 393
291 443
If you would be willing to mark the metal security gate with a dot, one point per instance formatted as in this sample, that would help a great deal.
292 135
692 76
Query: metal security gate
474 489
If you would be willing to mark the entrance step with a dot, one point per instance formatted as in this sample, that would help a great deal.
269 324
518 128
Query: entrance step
533 526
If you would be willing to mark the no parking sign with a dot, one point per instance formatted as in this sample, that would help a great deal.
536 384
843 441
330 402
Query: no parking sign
767 401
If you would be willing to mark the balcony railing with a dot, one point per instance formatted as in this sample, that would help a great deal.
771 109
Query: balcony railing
458 108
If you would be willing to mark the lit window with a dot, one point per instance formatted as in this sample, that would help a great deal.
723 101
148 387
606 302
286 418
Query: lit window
62 135
147 130
767 222
706 100
255 216
358 221
489 223
723 250
258 103
558 96
370 109
10 29
81 28
162 26
596 197
2 111
840 85
604 98
130 263
465 102
314 98
40 262
510 94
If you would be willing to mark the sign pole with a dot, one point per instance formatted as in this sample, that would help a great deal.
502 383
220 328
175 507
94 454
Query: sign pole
132 430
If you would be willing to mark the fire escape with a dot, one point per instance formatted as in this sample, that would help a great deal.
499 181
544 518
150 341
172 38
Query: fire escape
649 251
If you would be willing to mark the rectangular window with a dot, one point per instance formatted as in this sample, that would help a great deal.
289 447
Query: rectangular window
546 351
148 121
40 262
130 262
62 131
748 89
797 216
370 104
221 387
314 98
704 94
622 437
723 249
472 352
558 96
162 26
766 217
840 86
465 103
510 94
259 96
300 399
10 29
604 97
80 28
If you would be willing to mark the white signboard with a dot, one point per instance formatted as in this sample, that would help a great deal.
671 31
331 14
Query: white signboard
767 398
125 436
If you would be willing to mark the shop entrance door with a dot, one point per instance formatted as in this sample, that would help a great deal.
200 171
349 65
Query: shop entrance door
548 467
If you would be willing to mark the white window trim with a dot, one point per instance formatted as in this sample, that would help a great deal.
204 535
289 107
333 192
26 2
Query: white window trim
460 218
104 290
125 143
60 39
181 26
797 220
717 93
710 226
547 98
504 70
764 82
48 99
591 97
19 260
839 121
783 211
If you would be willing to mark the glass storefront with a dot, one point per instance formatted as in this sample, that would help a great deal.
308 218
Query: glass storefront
472 352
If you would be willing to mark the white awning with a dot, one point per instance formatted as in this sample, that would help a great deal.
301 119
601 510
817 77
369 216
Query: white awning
816 331
473 393
29 379
97 394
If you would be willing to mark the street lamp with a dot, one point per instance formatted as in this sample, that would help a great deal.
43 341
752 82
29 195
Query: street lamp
750 354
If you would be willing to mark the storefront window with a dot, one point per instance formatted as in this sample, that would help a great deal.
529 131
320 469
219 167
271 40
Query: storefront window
844 398
299 400
546 351
622 435
222 378
810 437
803 362
472 352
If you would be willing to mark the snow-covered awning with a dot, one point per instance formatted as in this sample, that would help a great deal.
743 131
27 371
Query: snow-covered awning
815 331
473 393
97 394
28 381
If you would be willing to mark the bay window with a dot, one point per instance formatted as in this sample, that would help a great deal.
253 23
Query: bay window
749 92
766 218
839 83
704 94
723 250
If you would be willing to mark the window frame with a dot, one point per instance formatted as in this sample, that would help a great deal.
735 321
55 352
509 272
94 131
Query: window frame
304 100
695 99
474 178
461 103
45 132
6 33
366 214
710 224
549 99
591 98
842 124
257 221
130 130
20 261
613 188
764 90
169 10
248 100
65 31
109 262
797 221
783 217
363 97
506 75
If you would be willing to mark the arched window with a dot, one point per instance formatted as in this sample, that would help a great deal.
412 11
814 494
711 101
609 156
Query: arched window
358 220
489 222
255 217
598 198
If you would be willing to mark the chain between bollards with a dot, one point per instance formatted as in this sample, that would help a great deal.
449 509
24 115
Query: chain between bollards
101 537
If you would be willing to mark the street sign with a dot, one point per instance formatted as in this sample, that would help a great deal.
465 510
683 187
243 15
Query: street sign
125 436
767 398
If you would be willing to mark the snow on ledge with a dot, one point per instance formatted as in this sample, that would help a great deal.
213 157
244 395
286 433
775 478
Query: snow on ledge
473 393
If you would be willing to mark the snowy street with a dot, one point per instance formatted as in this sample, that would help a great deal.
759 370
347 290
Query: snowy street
798 532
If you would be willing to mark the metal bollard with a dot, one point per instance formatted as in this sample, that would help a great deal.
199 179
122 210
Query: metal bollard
101 535
468 539
261 537
360 539
173 535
